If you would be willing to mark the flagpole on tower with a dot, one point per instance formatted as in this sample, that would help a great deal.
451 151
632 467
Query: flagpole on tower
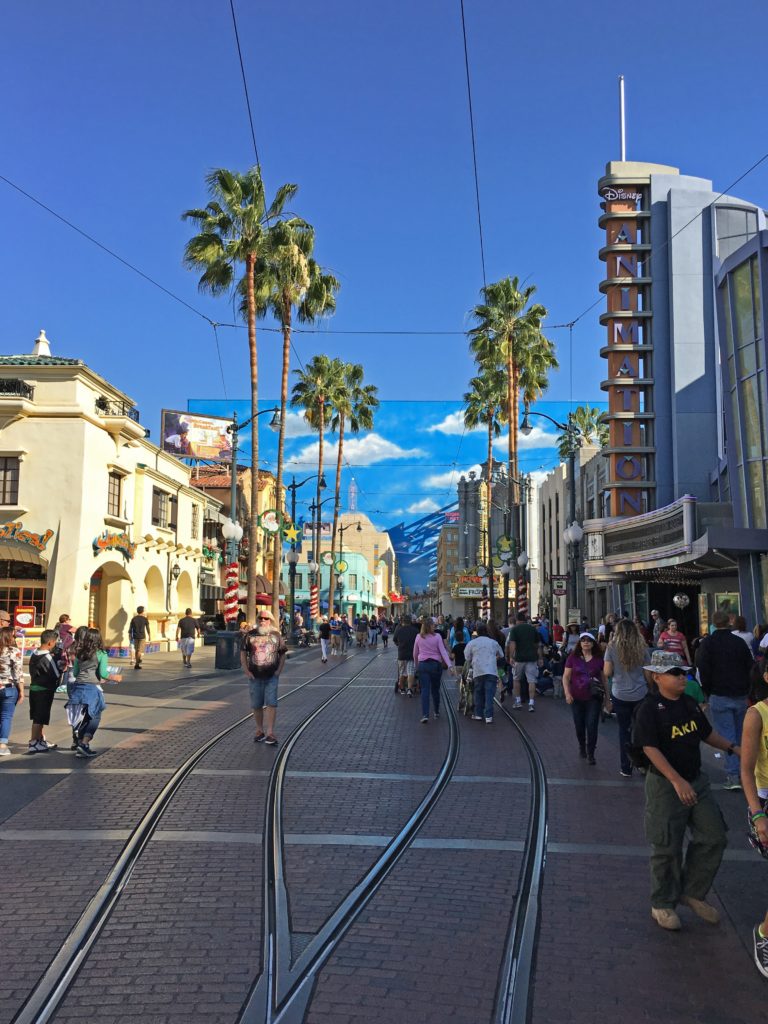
622 120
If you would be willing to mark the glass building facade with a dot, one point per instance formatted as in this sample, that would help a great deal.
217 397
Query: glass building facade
742 285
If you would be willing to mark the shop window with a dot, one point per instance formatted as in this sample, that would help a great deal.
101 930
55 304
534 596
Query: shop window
13 597
353 581
9 480
159 507
114 494
195 522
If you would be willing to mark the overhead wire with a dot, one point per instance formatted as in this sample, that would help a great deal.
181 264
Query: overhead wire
245 82
474 143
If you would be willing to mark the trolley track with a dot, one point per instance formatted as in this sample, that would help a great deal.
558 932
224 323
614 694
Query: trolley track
282 992
514 991
42 1003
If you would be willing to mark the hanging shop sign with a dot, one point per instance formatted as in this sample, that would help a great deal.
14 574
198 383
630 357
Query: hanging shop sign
326 558
17 533
559 586
341 565
119 542
24 617
505 550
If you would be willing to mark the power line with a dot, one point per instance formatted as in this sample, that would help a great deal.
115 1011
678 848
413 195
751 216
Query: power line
221 364
104 248
245 82
474 147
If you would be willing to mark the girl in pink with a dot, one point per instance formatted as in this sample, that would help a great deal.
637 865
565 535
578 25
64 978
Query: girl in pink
673 640
429 657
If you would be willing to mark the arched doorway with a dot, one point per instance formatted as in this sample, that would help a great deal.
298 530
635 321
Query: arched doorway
185 595
155 588
111 603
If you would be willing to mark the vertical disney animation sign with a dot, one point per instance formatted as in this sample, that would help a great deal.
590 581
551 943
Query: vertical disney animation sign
627 287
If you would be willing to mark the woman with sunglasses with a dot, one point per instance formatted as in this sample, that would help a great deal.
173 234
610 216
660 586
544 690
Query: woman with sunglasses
670 727
586 691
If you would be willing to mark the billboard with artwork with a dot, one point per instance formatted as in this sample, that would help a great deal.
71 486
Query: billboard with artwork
190 435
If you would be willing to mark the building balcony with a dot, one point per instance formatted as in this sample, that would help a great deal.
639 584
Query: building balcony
120 417
16 397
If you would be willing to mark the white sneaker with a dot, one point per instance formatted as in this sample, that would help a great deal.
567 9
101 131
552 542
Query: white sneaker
4 751
531 706
489 721
477 718
517 705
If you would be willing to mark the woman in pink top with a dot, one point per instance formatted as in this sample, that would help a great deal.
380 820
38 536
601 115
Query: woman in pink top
429 657
673 640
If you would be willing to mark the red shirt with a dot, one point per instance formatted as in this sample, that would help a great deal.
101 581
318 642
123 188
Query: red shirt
558 633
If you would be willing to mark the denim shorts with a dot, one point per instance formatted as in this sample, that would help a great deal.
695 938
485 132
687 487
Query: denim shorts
264 692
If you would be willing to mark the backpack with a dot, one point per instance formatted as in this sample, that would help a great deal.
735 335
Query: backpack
262 653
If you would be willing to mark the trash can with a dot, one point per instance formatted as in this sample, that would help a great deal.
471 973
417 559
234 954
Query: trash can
227 649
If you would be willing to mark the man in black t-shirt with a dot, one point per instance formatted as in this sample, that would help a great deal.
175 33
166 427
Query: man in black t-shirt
187 629
138 633
670 728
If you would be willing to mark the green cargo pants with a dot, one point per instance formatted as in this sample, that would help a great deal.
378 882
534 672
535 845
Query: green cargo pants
666 821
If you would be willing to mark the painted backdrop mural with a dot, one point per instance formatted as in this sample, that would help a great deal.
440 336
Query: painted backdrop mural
402 474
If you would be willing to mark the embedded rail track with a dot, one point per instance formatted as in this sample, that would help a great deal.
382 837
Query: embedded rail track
43 1001
282 992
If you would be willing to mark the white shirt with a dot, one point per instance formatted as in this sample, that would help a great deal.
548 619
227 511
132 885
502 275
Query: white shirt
481 653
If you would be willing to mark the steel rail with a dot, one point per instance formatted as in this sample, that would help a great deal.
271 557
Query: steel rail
281 993
47 994
514 990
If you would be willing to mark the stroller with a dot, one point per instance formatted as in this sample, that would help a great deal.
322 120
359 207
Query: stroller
466 691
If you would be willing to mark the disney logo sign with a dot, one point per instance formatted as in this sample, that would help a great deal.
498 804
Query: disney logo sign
619 195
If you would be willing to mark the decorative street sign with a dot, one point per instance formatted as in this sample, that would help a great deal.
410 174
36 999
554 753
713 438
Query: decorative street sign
559 586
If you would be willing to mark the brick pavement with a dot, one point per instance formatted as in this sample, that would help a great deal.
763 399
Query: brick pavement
184 941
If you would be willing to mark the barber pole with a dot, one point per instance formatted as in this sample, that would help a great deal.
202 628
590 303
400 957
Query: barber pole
522 594
232 595
314 602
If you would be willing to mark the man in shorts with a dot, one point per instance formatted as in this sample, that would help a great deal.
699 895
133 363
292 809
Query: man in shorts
405 637
44 676
525 654
187 629
262 657
138 634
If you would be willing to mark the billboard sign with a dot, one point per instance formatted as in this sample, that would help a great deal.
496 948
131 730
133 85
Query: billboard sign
326 532
189 435
559 586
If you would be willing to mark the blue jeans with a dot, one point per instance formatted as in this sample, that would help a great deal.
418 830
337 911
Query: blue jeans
430 673
624 710
90 694
728 718
8 697
263 692
485 691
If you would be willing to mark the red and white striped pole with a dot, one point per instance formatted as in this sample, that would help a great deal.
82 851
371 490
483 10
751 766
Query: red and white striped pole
232 594
522 593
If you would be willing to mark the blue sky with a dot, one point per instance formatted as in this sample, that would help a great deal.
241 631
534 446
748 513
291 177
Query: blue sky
113 114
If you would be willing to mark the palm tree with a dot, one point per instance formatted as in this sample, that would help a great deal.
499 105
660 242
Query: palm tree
508 328
234 233
355 404
485 403
592 428
296 281
317 391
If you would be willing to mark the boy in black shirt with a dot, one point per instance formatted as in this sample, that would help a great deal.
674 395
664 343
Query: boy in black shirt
670 727
44 677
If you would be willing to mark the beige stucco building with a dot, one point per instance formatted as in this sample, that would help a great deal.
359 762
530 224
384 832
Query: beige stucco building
94 518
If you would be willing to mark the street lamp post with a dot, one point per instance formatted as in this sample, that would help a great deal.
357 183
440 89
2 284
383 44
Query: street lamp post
342 528
315 511
293 556
575 439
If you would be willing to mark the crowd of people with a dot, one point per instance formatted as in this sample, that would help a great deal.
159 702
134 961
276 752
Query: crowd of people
65 657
